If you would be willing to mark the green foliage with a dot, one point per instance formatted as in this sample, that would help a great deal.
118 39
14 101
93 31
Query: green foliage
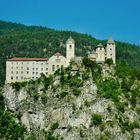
63 94
75 82
54 126
109 61
44 98
16 86
126 125
85 75
76 91
46 80
35 96
96 120
32 137
50 136
62 76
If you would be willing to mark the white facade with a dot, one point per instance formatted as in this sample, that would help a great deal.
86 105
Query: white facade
70 49
56 62
111 50
100 51
22 69
102 54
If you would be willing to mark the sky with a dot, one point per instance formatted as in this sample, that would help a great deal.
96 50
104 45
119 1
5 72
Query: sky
99 18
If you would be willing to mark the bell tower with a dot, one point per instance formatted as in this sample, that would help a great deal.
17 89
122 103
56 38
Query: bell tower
111 50
70 48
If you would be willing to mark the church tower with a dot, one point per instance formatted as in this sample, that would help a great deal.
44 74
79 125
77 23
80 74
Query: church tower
70 48
111 50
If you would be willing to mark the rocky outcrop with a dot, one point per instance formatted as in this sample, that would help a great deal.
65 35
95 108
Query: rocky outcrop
74 114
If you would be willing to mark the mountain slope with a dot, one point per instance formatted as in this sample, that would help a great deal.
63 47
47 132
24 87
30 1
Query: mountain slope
33 41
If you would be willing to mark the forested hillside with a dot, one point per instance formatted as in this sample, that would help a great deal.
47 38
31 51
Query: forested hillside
34 41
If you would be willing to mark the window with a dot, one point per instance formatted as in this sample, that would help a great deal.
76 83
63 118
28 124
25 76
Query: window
21 72
33 68
21 67
27 68
41 69
11 72
16 72
53 67
57 66
33 72
16 67
41 63
46 69
70 46
32 77
21 77
11 67
17 77
36 68
27 72
17 63
11 77
36 72
46 73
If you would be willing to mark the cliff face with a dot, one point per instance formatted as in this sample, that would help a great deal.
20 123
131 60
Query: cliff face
72 111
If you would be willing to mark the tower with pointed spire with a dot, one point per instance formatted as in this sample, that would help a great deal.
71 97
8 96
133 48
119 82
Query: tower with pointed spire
111 50
70 48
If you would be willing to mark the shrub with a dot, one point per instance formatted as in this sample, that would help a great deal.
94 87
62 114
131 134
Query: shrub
16 86
50 136
75 82
76 91
109 61
35 96
44 98
96 120
63 94
85 75
54 126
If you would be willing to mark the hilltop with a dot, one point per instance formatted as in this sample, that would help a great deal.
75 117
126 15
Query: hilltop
35 41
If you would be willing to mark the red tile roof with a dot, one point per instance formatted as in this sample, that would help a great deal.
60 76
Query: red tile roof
28 59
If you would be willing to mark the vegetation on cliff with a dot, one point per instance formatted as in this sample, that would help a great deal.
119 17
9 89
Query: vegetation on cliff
99 98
